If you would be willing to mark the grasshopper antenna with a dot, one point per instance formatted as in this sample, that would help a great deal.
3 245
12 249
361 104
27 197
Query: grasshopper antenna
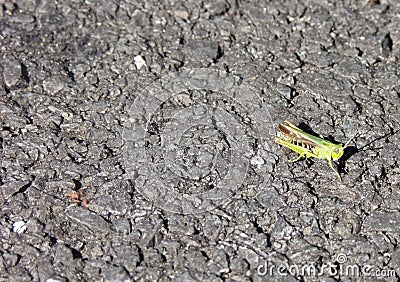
352 138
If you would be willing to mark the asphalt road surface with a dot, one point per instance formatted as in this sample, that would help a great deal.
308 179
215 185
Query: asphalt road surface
138 140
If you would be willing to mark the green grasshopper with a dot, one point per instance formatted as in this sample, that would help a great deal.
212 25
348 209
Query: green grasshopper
309 146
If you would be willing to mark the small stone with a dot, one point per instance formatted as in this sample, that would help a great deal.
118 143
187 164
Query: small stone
257 161
12 73
19 227
139 62
184 15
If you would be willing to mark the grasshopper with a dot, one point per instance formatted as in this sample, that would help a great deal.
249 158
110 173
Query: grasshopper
309 146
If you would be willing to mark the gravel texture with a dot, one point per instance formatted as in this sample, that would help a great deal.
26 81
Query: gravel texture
137 140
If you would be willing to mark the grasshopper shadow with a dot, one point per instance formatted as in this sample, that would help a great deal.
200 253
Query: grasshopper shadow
303 126
348 153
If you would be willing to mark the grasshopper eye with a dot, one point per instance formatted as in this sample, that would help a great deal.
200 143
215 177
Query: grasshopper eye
336 150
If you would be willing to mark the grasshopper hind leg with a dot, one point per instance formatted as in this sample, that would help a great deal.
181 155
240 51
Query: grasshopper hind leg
296 159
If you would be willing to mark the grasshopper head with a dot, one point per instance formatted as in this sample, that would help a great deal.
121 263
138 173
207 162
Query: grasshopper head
337 152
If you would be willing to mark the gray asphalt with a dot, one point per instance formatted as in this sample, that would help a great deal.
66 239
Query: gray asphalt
138 140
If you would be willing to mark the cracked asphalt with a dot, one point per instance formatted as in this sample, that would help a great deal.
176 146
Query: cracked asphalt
137 140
